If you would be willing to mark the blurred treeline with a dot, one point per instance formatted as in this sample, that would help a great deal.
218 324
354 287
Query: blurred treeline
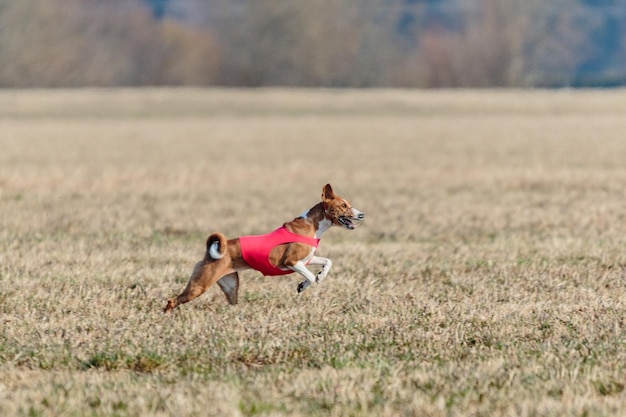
329 43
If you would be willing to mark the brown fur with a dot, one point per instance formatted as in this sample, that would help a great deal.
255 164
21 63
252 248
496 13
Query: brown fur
224 271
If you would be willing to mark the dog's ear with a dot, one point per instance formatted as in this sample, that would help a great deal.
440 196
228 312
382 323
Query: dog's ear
327 193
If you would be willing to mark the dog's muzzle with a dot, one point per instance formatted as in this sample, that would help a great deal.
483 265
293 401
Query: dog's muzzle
352 222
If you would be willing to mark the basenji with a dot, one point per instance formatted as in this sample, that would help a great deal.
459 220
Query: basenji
286 250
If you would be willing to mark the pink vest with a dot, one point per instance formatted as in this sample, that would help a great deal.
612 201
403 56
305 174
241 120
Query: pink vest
256 249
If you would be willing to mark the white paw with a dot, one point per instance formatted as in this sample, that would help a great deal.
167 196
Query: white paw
303 285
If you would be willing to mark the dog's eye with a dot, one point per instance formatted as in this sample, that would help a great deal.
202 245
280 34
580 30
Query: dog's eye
344 206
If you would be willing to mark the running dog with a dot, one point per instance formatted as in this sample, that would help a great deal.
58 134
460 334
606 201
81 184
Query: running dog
286 250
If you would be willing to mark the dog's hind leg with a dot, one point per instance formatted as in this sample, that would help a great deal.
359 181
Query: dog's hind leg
230 285
204 275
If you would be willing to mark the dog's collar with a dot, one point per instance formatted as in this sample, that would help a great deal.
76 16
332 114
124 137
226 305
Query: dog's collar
326 213
305 215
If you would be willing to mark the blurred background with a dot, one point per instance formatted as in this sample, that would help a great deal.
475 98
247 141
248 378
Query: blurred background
313 43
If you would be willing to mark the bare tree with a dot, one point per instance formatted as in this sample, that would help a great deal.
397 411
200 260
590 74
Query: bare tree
318 42
329 43
53 43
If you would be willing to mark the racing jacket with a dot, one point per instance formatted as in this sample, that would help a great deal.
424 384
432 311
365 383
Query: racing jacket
256 249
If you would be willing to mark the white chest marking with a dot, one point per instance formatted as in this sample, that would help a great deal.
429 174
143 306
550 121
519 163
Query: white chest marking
323 226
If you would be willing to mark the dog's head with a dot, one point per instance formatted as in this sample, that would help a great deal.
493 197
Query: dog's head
339 210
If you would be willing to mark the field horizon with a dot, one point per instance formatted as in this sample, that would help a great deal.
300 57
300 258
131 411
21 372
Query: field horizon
488 279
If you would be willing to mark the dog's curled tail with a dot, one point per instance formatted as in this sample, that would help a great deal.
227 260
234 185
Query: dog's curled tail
216 245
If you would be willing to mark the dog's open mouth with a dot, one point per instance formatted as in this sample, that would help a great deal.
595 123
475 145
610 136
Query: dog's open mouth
350 222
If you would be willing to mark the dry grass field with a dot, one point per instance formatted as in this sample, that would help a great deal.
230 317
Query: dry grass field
489 278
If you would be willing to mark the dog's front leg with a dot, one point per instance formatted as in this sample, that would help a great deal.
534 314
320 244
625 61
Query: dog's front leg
325 263
300 268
